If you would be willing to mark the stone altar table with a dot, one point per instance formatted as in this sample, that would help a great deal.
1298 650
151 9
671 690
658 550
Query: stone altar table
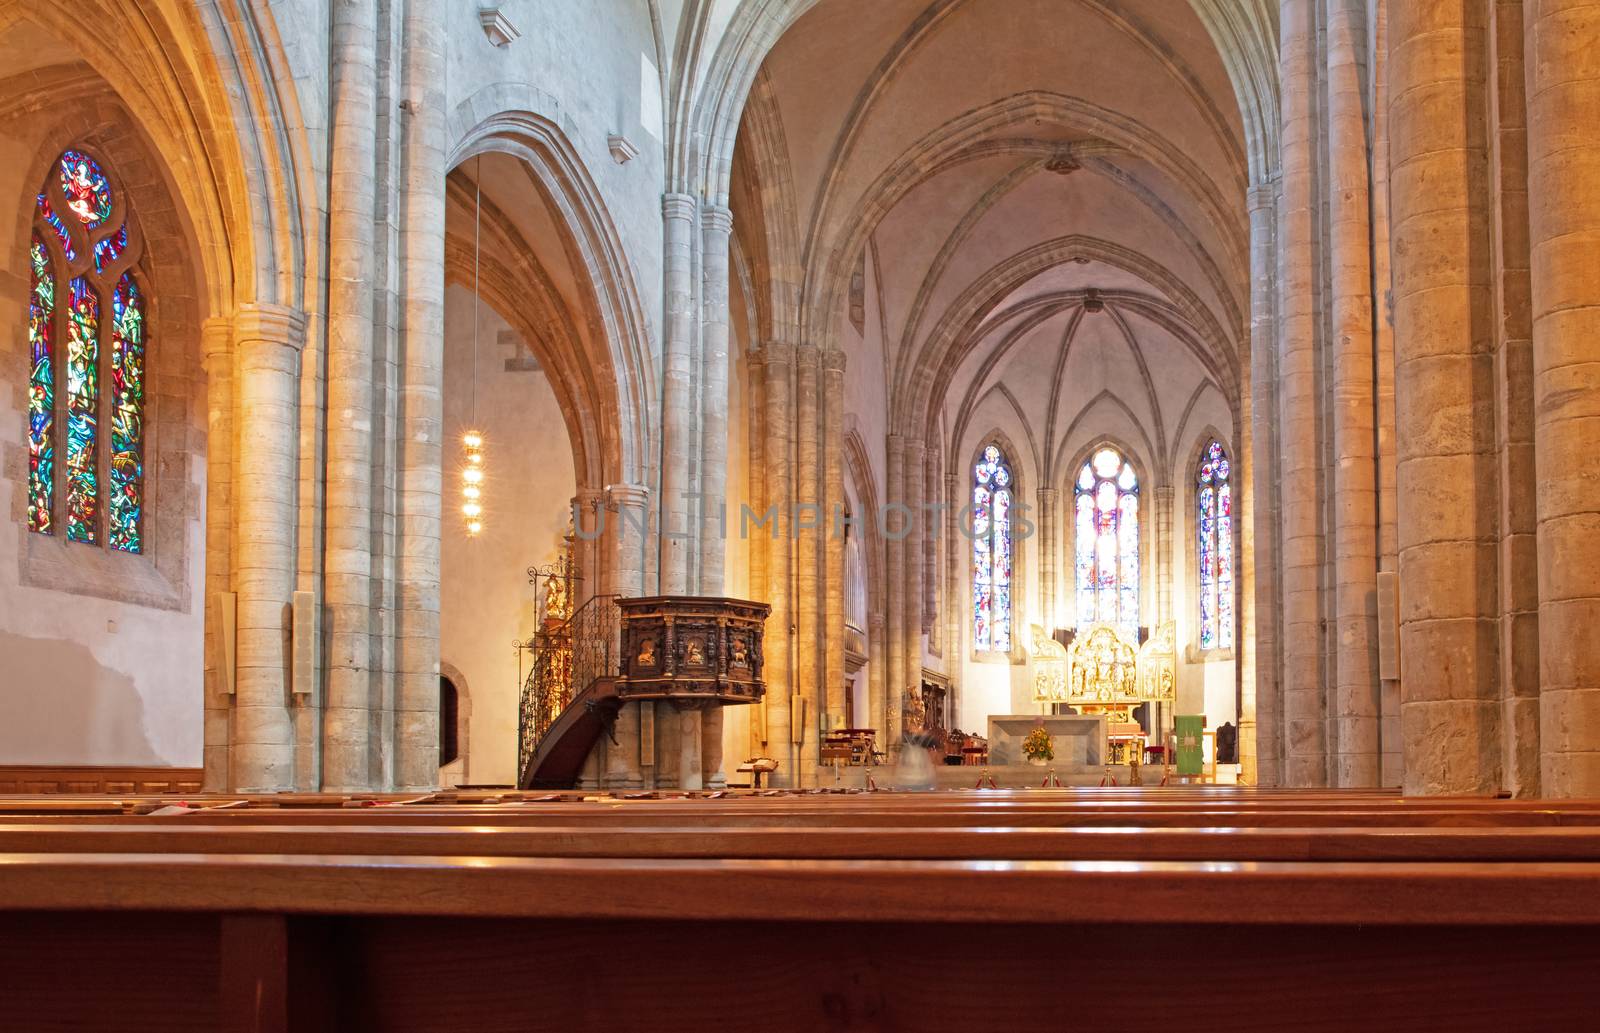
1079 740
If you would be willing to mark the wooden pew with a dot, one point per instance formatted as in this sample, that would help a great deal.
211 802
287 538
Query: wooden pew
307 943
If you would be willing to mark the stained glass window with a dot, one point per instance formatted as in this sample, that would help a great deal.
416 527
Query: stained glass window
41 389
992 495
1106 541
1214 558
86 328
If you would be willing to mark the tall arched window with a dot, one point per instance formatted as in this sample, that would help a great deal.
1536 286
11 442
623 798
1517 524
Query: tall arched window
1214 557
991 552
86 328
1106 501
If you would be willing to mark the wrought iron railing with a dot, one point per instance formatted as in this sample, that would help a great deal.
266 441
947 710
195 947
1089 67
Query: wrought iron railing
568 657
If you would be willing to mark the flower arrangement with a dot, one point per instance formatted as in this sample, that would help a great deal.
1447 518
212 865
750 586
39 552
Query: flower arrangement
1037 745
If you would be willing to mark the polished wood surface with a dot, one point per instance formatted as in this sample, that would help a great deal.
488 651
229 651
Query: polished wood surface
787 910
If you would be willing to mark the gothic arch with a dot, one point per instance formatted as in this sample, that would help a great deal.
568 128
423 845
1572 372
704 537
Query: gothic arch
623 359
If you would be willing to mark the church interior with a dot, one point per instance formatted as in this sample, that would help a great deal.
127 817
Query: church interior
868 511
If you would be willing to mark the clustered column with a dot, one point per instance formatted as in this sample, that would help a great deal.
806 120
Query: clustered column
1355 700
1564 220
347 570
267 340
217 339
1449 712
1260 716
423 167
1305 750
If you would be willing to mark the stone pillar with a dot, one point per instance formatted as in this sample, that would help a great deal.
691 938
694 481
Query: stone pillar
347 558
1164 544
1356 701
1564 220
894 519
832 431
808 563
958 550
678 211
423 157
914 454
1514 394
776 450
1391 761
716 223
711 724
267 344
1443 378
1255 642
627 517
1047 498
216 336
690 728
877 670
1305 752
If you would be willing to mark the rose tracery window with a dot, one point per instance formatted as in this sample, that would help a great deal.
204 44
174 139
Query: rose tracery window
1106 541
87 341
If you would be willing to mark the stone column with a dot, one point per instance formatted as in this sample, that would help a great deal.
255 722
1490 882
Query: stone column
1305 752
913 457
958 550
756 408
1443 377
690 775
1391 761
1255 642
716 223
678 211
894 519
1356 700
267 344
711 724
776 450
808 562
1046 529
1514 394
877 669
832 431
216 336
423 157
347 558
1164 544
627 517
1564 220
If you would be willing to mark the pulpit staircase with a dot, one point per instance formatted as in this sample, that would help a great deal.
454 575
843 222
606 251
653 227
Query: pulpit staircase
569 698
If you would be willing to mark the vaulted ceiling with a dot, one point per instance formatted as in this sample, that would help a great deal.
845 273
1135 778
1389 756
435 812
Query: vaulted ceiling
1050 199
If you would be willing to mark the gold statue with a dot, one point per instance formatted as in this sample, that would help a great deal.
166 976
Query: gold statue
739 653
647 653
695 656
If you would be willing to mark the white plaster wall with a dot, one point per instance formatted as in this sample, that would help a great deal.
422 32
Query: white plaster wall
91 681
486 601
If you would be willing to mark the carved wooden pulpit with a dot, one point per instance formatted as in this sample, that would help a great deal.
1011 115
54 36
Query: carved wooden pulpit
692 650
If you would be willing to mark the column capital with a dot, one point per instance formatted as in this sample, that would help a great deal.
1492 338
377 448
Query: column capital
270 324
833 360
876 620
216 340
678 206
716 218
806 355
1262 195
915 449
627 494
1047 494
777 353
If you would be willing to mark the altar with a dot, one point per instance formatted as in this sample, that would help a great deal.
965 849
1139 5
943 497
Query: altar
1077 739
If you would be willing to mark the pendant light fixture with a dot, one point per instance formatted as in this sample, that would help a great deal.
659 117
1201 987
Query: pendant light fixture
472 439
